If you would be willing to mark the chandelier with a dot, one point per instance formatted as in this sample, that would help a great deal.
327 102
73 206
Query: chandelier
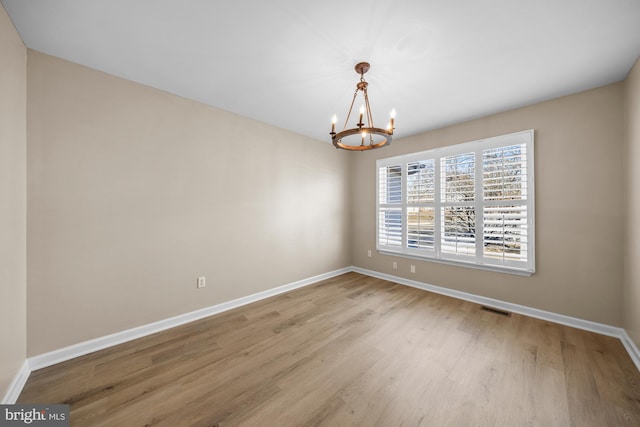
362 137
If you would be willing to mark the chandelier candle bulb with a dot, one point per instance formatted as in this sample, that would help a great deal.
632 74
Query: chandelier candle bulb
334 119
393 118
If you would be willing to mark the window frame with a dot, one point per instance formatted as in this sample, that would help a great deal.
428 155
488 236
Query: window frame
479 259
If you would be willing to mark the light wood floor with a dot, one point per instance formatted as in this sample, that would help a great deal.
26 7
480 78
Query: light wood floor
352 350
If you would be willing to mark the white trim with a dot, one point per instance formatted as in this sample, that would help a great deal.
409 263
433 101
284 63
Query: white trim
574 322
631 347
86 347
459 263
475 150
16 386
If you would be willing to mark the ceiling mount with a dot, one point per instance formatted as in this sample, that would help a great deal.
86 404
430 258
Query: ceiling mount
371 136
362 67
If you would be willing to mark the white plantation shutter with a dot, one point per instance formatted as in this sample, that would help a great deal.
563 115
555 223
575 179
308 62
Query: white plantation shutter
505 233
469 204
457 214
458 235
504 182
390 206
390 226
504 173
421 181
420 227
420 210
458 177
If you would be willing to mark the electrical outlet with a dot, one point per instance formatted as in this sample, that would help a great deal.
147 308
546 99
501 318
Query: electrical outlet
395 265
202 282
369 253
413 268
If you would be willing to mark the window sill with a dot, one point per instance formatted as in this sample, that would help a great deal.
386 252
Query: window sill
494 268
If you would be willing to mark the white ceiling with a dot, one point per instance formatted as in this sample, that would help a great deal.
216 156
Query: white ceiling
290 62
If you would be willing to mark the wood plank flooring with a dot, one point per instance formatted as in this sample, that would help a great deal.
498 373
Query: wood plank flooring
351 351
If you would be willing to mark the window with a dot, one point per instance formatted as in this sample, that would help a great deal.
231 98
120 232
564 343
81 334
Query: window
469 204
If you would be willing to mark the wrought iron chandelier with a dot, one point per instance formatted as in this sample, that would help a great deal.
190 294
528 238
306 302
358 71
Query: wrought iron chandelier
370 137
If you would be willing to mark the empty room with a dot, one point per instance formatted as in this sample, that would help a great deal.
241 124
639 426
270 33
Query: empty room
281 213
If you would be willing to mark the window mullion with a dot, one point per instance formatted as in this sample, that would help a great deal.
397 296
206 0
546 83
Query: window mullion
479 205
437 207
403 201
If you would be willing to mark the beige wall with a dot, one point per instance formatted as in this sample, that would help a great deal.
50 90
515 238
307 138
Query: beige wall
631 288
134 192
13 193
579 199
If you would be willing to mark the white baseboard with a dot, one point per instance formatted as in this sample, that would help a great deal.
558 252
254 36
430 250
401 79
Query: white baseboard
86 347
514 308
561 319
16 386
631 347
80 349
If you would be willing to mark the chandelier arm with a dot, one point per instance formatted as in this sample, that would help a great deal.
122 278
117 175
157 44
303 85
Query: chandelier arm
368 108
346 121
370 116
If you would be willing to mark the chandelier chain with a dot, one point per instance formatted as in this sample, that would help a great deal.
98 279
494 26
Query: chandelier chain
355 95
